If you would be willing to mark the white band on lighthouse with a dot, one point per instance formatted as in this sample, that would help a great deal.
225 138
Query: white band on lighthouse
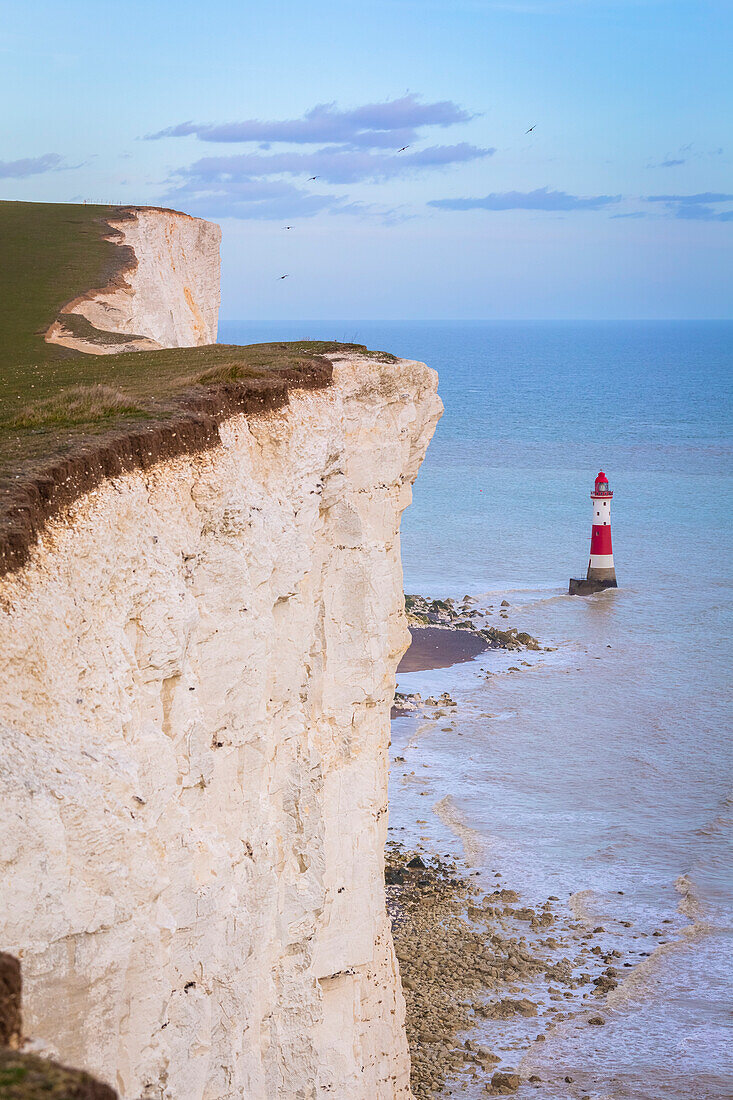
601 561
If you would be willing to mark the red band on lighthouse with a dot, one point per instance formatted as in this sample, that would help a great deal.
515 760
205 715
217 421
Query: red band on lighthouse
600 540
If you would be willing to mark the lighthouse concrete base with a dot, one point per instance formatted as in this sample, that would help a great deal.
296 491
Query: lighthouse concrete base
582 587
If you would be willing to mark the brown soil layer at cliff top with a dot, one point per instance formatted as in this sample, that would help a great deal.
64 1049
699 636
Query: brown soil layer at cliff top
66 426
440 647
67 420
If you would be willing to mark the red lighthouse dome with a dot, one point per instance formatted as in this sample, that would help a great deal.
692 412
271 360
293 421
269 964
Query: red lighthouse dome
601 487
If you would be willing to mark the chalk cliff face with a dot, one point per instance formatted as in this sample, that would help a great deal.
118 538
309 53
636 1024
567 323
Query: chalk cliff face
195 681
168 297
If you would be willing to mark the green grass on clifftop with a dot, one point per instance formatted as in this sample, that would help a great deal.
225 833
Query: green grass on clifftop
51 253
47 408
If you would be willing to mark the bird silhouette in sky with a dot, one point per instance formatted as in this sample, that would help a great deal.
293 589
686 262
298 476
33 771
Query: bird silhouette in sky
287 227
311 178
531 128
403 148
284 276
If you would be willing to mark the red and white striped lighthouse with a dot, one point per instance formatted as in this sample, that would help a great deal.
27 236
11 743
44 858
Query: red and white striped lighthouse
601 571
600 566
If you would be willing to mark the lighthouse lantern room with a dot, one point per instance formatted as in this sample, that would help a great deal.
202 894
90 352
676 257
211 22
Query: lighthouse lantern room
601 572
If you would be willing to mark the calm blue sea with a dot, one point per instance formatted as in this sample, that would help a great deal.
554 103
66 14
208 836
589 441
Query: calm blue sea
599 773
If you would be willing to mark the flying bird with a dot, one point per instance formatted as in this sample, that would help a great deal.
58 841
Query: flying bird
284 276
531 128
403 148
287 227
311 178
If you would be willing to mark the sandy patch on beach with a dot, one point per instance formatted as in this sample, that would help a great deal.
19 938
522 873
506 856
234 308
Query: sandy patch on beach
440 647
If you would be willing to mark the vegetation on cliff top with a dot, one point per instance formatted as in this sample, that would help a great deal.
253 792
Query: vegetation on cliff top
67 425
28 1077
48 407
52 253
68 420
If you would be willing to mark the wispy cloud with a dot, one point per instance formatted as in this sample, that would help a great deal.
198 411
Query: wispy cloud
540 199
29 166
250 199
361 145
391 124
703 214
692 200
250 185
696 207
334 165
684 155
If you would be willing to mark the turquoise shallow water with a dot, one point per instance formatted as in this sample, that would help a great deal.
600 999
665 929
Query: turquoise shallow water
606 765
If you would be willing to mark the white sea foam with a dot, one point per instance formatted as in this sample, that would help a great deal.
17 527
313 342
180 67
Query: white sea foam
475 846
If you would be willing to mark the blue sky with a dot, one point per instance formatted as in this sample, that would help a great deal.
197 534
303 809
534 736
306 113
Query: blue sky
618 204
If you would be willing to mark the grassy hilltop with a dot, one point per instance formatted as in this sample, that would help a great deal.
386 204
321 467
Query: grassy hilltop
52 252
67 419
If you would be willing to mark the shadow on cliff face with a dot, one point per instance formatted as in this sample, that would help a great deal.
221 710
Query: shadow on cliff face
26 1076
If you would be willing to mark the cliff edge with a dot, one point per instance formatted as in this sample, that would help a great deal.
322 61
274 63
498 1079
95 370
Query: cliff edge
195 684
165 293
104 280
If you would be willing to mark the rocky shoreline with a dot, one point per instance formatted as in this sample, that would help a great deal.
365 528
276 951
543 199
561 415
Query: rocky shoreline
445 633
466 615
467 956
485 976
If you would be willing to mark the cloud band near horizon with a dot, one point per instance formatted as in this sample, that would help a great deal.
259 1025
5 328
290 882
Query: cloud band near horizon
539 199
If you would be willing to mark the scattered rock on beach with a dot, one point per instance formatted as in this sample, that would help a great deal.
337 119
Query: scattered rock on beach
424 612
508 1007
453 951
604 983
502 1084
508 639
406 703
524 914
505 895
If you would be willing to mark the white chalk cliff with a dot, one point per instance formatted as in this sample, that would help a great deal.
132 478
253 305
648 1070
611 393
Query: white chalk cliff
196 673
168 297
